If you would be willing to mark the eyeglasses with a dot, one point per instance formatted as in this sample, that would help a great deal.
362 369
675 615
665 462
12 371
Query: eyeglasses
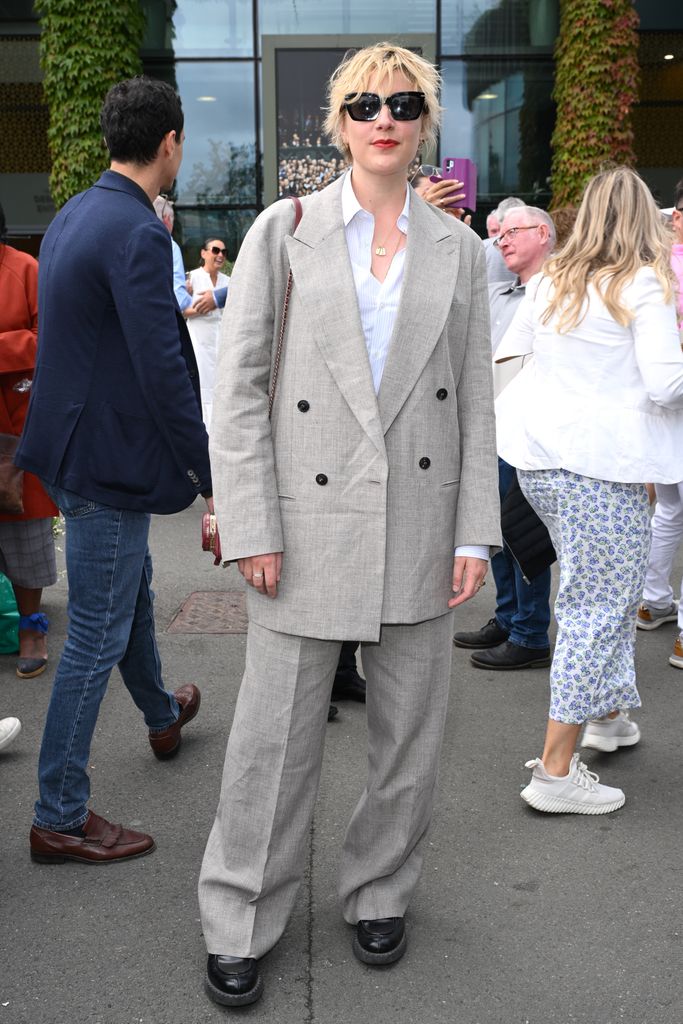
426 171
215 250
403 106
511 232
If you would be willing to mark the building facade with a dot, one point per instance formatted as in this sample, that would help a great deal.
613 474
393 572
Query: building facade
251 76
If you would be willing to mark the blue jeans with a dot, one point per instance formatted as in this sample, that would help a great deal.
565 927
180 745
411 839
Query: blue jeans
111 622
523 609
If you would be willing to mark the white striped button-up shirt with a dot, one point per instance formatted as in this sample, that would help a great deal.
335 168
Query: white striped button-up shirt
378 300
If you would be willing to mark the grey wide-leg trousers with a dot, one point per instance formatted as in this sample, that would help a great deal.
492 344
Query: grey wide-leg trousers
256 853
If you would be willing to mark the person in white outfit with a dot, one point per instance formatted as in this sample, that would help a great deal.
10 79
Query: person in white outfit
205 327
601 411
659 605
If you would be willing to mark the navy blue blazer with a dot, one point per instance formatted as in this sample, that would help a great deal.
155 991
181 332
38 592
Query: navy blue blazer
114 413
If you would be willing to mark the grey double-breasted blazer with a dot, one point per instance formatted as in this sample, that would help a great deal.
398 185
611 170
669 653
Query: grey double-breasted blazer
366 495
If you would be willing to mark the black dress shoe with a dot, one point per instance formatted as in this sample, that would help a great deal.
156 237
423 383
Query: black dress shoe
489 635
348 685
510 656
332 712
233 980
382 941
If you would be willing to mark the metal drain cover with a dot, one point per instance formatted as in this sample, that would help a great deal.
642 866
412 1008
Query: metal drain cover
211 611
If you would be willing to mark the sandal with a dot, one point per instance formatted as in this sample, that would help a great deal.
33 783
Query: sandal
27 668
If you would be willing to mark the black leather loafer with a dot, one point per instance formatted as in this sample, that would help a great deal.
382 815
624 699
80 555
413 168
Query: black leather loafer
509 656
348 685
382 941
489 635
233 980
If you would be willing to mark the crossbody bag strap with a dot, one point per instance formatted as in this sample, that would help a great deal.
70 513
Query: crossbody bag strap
283 323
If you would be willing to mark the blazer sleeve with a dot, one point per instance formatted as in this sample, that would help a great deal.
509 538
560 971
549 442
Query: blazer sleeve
478 511
245 484
19 338
142 287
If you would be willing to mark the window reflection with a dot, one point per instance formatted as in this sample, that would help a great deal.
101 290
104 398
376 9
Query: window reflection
499 26
219 159
324 17
194 226
500 114
202 28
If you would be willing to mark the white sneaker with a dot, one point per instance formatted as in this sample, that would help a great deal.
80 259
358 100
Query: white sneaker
652 618
9 730
579 792
610 733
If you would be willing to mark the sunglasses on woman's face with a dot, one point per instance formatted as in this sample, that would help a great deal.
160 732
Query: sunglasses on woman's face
403 106
215 250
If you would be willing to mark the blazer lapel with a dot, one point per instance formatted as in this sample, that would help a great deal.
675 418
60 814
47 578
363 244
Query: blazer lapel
323 280
431 269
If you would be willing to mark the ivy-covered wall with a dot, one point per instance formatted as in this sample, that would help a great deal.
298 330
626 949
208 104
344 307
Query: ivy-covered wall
86 46
596 84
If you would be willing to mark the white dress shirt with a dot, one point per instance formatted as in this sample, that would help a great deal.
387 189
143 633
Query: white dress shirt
378 301
602 400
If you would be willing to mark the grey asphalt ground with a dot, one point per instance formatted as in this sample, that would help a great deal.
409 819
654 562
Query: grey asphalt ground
520 918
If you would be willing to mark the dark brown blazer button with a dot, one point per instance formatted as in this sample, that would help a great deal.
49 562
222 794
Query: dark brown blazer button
441 394
321 479
303 405
424 462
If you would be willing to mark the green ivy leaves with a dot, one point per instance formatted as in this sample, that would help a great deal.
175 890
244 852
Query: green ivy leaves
86 46
596 84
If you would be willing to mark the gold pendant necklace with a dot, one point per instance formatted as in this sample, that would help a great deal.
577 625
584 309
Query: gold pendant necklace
380 249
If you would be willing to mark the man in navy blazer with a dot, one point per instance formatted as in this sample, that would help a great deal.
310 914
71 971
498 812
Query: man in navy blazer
114 430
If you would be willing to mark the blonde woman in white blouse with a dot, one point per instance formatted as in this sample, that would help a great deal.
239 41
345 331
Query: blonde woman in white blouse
602 405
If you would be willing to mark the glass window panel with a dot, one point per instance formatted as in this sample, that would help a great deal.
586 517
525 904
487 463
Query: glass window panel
501 115
660 14
219 154
325 17
199 28
475 27
194 226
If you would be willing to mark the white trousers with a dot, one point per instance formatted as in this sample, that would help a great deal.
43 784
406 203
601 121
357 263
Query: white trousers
667 533
257 851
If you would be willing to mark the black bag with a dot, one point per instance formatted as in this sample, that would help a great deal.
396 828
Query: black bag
525 535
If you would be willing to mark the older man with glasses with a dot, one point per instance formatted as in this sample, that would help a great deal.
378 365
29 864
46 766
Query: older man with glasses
517 635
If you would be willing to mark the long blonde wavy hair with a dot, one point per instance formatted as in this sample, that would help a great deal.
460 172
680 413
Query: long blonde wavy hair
618 230
381 60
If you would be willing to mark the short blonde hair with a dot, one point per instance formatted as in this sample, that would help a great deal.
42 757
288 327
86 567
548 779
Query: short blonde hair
382 60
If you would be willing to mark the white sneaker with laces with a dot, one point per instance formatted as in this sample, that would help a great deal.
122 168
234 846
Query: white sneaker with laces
579 792
9 730
652 618
608 734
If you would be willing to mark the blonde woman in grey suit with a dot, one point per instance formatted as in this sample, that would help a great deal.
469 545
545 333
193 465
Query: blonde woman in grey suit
365 509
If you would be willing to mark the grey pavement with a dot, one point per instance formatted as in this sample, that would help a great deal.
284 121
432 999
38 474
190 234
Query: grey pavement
520 918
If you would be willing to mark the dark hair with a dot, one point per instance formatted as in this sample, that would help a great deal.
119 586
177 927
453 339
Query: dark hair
136 115
3 225
678 193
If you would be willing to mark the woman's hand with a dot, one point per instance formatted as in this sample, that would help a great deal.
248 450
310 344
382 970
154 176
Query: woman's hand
262 572
468 578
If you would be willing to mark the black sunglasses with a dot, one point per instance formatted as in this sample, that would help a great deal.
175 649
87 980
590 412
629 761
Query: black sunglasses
215 250
403 106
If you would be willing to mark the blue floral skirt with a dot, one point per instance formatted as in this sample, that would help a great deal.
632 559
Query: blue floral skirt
601 533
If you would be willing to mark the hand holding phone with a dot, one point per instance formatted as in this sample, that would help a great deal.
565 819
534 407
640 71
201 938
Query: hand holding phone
461 169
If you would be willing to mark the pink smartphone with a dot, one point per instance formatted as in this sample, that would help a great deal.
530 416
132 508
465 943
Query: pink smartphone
463 170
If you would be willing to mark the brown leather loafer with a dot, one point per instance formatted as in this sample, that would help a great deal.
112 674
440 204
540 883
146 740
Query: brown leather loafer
102 843
167 743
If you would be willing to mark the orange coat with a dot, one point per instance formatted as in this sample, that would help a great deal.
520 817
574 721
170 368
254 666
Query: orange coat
18 342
